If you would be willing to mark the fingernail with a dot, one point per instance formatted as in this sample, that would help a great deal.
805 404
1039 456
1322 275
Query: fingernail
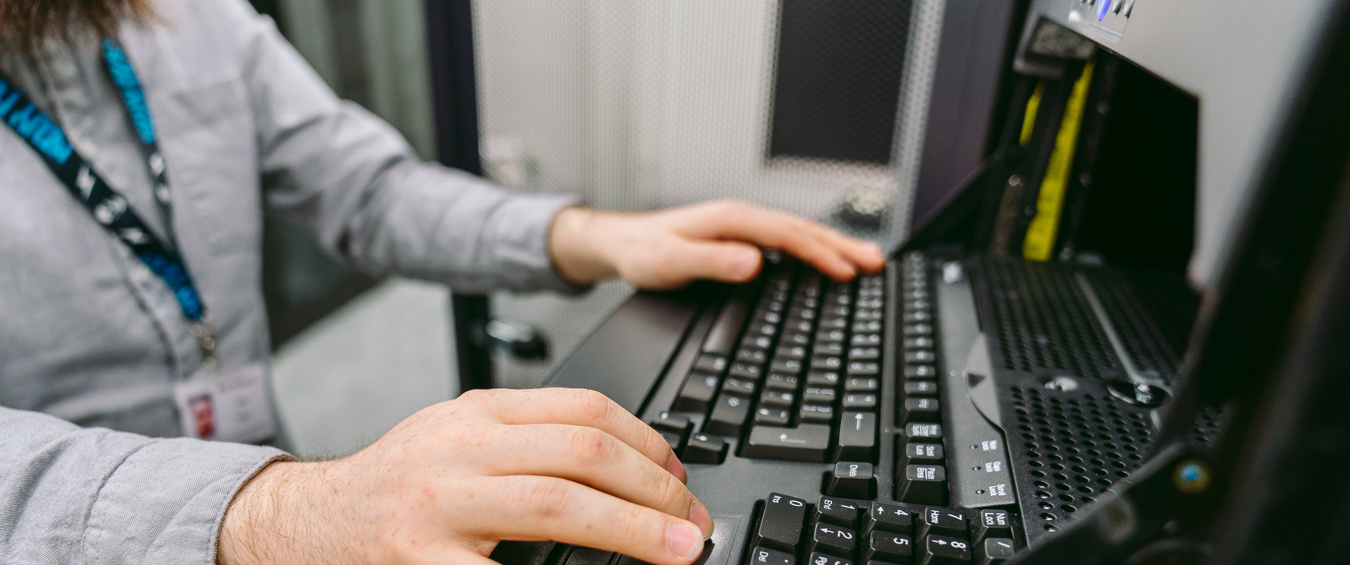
684 540
676 468
745 263
872 247
699 516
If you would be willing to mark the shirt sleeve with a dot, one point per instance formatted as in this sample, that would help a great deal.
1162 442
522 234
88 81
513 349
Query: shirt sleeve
354 182
76 495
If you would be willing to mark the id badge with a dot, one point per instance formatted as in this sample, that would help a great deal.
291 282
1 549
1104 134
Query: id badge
227 405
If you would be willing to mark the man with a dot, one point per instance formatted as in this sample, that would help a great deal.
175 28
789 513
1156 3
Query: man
131 311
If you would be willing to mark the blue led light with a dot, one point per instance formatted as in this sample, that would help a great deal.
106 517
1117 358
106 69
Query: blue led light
1103 6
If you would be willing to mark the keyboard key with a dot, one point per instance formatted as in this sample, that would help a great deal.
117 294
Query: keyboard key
920 356
891 518
819 395
943 550
865 340
851 480
822 378
866 326
589 556
860 401
748 371
918 317
796 338
921 388
923 431
920 409
777 398
765 556
738 386
828 335
798 326
816 414
913 330
729 415
756 342
918 342
827 362
752 356
697 393
923 484
786 366
920 372
889 547
994 551
992 524
671 438
832 539
864 369
781 382
916 453
762 329
862 384
834 323
832 348
838 511
806 442
867 315
668 422
826 559
943 522
797 352
857 437
703 448
711 363
864 353
780 526
772 416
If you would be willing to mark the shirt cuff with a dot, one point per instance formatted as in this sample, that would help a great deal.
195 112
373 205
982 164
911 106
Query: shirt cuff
166 501
519 233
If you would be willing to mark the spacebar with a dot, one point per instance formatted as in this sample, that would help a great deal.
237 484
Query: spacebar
807 442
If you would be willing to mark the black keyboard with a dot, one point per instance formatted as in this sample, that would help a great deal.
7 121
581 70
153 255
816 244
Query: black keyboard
792 368
951 410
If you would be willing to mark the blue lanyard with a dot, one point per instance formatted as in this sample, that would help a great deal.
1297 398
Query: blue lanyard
109 207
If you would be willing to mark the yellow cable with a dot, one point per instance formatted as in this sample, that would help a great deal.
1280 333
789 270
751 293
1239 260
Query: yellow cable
1040 240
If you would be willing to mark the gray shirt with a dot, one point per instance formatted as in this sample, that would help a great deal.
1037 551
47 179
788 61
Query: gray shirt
92 342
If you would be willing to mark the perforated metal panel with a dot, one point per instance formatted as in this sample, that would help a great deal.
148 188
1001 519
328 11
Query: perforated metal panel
1072 447
1043 322
1153 315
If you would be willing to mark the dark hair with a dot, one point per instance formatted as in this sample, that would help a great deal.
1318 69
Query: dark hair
24 24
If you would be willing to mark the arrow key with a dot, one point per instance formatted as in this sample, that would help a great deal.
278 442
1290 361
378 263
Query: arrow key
857 437
943 550
831 539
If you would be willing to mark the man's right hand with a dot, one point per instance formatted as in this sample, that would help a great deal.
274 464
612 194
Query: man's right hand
448 483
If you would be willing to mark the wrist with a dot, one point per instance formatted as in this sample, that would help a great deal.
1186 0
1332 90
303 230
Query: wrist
275 518
578 257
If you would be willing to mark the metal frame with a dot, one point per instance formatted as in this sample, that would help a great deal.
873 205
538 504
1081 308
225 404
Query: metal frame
453 80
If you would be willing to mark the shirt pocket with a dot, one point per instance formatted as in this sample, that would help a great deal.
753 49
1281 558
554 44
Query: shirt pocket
210 147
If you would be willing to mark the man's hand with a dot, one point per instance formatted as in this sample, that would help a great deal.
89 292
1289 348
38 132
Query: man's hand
448 483
715 240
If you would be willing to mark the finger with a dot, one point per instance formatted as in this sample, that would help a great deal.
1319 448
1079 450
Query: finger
768 228
588 456
724 261
546 508
866 255
578 407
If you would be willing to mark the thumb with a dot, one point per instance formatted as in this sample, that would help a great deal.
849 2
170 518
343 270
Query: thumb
723 261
